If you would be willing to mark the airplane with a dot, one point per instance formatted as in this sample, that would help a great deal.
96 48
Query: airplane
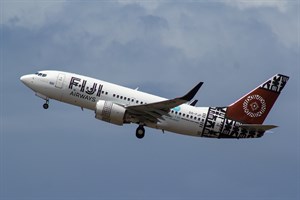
121 105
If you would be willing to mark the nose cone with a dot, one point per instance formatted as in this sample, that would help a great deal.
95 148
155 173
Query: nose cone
26 79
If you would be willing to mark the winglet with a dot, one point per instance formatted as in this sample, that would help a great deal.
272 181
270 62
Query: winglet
193 103
190 95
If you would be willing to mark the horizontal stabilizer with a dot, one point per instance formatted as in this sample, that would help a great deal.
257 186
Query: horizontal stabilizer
257 127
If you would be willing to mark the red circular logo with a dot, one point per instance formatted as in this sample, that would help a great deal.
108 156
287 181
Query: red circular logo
254 106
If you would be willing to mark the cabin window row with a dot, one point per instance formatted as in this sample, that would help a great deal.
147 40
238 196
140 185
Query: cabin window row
103 92
186 115
127 99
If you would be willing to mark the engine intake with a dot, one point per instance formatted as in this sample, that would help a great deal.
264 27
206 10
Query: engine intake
110 112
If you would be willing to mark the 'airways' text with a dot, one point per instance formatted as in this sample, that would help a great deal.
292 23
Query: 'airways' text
83 96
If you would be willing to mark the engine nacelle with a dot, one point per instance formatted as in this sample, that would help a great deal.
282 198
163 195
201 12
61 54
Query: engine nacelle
110 112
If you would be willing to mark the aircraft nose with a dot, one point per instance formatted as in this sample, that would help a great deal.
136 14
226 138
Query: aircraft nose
26 79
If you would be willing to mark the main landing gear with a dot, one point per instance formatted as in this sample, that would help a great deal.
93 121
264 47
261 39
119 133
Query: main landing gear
46 105
140 132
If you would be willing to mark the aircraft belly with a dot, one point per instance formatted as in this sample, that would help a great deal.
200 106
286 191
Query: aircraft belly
179 126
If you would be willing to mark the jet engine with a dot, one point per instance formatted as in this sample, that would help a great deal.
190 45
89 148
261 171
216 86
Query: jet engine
110 112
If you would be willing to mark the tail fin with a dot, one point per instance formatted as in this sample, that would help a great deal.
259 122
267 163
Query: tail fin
254 107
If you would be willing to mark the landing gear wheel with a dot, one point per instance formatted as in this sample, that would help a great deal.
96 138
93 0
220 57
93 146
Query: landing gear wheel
46 106
140 132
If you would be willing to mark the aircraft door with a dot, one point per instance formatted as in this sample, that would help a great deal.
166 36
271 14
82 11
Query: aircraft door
60 80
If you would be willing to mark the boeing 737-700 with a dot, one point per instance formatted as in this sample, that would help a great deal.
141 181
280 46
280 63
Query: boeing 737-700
121 105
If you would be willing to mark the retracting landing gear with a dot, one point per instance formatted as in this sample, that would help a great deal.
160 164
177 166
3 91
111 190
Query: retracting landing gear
140 132
46 105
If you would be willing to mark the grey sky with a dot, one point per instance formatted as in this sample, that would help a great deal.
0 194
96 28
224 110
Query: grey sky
164 48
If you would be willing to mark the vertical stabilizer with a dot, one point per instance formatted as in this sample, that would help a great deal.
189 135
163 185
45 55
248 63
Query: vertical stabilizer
254 107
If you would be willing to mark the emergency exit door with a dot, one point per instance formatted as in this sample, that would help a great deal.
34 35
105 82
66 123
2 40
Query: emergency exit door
60 80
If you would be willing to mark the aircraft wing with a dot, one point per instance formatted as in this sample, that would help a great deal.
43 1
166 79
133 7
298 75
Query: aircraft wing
154 111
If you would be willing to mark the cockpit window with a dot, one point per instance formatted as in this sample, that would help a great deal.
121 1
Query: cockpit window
40 74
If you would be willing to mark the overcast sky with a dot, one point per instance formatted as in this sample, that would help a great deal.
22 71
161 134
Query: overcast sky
164 48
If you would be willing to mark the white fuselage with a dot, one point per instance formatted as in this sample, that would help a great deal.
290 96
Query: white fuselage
85 92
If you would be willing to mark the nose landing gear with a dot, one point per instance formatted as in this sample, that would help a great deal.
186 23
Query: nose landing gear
140 132
46 105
